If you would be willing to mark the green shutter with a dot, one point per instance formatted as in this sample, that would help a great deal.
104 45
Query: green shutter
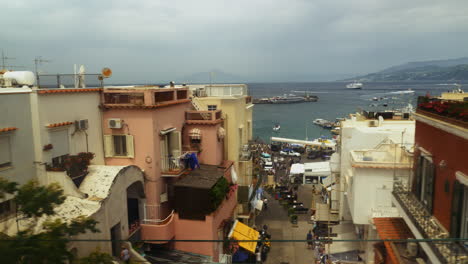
429 190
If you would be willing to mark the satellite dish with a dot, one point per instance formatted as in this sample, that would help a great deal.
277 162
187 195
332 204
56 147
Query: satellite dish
106 72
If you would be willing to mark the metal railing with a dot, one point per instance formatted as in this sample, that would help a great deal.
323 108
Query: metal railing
172 164
429 226
69 80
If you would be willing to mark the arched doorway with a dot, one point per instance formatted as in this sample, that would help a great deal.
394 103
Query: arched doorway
135 195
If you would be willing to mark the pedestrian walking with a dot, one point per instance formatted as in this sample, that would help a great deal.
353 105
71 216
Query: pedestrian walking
125 255
309 240
265 203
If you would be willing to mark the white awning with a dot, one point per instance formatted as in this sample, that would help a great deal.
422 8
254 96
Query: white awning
297 168
221 132
195 133
166 131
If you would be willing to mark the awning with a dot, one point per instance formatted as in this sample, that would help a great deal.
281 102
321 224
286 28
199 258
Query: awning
221 132
297 168
392 228
239 231
166 131
328 181
195 133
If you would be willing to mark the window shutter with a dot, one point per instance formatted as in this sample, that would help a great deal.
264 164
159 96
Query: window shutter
457 203
130 146
108 146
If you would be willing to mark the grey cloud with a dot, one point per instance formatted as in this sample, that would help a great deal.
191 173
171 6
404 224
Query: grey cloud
151 40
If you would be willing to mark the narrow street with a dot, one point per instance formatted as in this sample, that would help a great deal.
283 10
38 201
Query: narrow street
279 226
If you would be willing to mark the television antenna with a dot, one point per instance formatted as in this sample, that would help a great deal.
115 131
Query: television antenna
5 59
38 61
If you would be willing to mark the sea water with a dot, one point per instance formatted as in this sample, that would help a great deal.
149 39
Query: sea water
334 101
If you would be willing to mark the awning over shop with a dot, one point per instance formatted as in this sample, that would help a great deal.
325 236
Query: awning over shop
297 168
317 168
195 133
392 228
323 214
328 181
239 231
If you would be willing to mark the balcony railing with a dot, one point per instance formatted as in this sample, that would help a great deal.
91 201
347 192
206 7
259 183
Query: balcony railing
197 116
428 226
158 229
69 80
172 166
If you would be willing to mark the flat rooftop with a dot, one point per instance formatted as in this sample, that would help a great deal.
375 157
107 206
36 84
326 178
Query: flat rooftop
203 178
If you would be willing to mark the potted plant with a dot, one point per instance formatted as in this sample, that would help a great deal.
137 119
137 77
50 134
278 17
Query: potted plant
293 219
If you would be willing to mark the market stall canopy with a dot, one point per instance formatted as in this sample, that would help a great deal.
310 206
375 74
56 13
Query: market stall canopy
297 168
317 168
239 231
317 142
265 155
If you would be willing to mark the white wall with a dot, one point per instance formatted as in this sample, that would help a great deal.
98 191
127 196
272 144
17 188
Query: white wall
69 107
357 136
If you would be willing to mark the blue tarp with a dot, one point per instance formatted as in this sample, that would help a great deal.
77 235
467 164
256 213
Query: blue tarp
240 256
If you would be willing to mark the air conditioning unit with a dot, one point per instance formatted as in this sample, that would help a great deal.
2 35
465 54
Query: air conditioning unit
114 123
81 124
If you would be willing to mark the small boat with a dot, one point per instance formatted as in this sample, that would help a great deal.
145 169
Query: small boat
277 127
320 121
354 85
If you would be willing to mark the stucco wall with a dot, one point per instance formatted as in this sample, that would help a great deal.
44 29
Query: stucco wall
69 107
113 211
452 149
145 126
16 112
212 148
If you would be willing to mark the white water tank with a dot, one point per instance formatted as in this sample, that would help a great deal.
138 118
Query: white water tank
21 77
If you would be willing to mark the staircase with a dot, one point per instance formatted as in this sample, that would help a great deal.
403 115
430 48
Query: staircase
200 106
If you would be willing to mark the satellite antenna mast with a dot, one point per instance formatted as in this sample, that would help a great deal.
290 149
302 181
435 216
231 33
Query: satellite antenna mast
38 61
4 59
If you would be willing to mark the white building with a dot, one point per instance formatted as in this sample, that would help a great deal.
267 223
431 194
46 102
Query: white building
371 154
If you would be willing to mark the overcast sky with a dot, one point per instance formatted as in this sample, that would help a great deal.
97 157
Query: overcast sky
151 40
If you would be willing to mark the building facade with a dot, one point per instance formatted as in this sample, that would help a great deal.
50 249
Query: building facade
434 202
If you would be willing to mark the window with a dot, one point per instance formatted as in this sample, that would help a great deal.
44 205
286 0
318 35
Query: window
425 181
60 143
118 146
212 107
5 151
7 208
459 218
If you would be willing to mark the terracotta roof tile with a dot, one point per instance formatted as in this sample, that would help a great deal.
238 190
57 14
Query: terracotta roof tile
59 124
6 129
71 90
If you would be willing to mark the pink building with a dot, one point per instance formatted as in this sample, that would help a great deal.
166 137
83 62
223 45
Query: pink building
157 129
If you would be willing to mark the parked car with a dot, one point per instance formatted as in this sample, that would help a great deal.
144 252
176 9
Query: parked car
265 157
275 147
268 166
313 155
289 152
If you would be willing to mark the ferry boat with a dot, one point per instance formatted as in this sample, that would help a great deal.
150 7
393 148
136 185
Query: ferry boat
354 85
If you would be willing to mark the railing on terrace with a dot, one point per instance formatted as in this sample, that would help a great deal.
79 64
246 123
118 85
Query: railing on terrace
171 165
224 90
193 115
428 226
70 80
450 111
159 221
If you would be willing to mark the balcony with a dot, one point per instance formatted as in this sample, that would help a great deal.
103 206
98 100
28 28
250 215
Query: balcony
158 229
172 166
428 226
145 97
221 90
245 154
449 111
203 117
